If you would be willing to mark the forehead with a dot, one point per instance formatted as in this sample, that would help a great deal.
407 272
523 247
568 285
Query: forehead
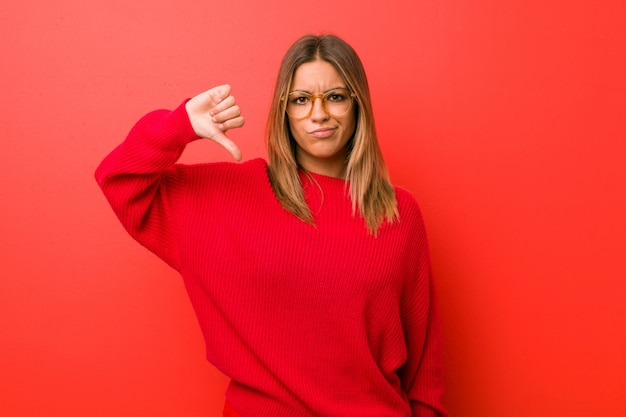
317 77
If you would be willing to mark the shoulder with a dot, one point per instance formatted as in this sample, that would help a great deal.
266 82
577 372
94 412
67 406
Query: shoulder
225 177
410 219
248 170
407 204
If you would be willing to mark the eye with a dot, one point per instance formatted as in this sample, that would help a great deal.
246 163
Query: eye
336 96
299 100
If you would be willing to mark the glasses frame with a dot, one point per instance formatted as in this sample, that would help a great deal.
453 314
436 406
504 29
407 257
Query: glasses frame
323 97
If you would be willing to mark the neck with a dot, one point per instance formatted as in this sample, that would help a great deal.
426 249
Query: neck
331 167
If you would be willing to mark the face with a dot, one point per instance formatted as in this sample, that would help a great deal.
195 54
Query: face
321 138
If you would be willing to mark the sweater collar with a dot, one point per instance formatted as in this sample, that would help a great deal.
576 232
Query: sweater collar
327 184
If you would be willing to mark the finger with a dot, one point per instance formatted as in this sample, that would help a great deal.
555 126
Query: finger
229 113
225 104
228 144
220 93
233 123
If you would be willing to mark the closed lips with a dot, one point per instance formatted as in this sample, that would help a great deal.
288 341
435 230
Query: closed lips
323 132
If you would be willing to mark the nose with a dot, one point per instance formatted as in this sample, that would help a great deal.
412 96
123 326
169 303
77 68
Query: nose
318 113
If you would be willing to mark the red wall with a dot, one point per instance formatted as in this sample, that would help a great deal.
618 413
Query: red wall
505 119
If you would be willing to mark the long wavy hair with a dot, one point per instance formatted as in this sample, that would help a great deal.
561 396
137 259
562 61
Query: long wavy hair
372 195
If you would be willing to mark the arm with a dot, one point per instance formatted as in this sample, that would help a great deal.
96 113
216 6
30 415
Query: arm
140 178
422 373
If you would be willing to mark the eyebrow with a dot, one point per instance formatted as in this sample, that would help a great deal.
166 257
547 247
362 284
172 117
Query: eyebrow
308 92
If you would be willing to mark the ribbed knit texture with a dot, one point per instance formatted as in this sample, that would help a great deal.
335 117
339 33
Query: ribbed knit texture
307 321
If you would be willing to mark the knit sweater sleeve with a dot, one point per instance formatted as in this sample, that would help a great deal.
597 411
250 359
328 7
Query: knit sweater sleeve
422 373
142 183
425 385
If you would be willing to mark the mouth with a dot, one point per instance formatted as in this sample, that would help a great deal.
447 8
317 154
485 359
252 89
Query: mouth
322 132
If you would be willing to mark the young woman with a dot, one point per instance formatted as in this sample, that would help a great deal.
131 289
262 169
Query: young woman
309 273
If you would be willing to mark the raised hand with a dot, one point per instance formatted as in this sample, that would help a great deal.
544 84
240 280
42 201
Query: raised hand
214 112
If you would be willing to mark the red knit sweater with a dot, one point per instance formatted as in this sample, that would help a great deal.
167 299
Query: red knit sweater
307 321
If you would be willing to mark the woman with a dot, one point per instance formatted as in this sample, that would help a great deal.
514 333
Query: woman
309 274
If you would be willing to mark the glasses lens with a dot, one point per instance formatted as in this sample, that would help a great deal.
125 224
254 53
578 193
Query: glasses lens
336 102
299 104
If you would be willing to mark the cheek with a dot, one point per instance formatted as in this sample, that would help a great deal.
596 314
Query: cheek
350 126
296 130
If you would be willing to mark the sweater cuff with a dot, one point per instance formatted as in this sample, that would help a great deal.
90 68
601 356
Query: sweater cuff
176 127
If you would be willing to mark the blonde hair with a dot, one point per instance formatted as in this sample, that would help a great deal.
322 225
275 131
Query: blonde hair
370 190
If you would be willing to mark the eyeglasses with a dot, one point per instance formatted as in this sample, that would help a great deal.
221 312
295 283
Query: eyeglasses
336 102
